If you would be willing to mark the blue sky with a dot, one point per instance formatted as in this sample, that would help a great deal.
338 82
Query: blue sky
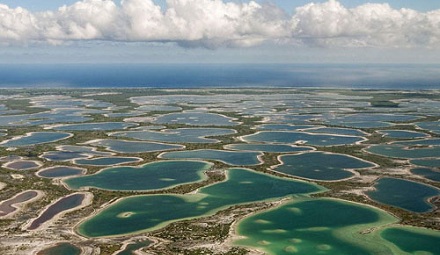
344 31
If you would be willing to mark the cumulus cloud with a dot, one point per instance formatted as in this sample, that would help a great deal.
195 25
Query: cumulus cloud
215 23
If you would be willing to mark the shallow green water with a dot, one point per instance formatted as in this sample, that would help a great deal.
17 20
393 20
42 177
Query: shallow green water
233 158
152 176
405 194
304 227
320 165
148 212
415 241
61 249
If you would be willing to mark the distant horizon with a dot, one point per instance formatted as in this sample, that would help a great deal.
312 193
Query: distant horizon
215 75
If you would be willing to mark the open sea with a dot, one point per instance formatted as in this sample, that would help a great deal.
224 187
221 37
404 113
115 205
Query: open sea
368 76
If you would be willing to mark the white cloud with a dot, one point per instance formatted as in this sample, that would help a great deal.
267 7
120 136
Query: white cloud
214 23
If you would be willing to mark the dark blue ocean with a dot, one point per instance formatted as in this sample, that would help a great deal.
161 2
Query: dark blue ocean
369 76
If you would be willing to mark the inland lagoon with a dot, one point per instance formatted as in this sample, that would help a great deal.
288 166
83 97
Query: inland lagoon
427 173
122 146
10 206
408 195
286 137
321 166
233 158
272 148
336 131
61 249
402 134
284 127
99 126
151 176
35 138
180 135
107 161
132 247
196 119
60 171
22 165
62 156
59 207
433 126
148 212
430 162
404 151
315 226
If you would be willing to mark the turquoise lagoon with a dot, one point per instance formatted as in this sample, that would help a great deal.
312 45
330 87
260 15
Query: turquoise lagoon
287 137
149 212
35 138
320 166
98 126
315 226
273 148
106 161
151 176
234 158
408 195
183 135
122 146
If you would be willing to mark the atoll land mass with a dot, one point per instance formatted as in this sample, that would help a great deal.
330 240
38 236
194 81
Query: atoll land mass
219 171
